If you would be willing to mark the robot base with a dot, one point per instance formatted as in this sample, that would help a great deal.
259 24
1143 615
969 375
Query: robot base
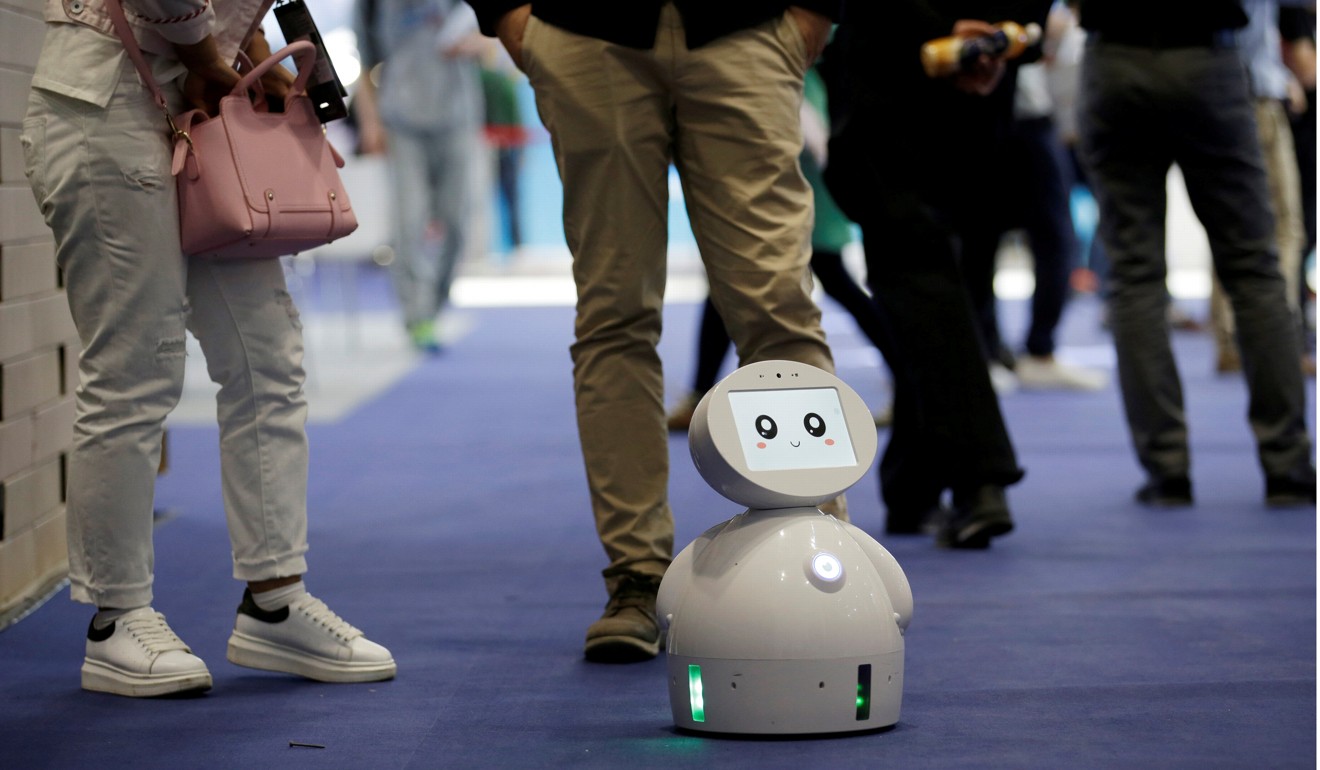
786 696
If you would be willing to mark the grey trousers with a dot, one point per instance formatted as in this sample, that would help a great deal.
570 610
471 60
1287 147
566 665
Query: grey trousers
1142 110
431 175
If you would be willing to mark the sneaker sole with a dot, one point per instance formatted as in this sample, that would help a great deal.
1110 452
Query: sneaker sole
99 677
620 649
250 652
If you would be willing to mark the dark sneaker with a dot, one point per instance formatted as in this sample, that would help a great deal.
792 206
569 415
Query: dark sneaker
1288 492
977 518
1166 492
139 656
308 639
628 632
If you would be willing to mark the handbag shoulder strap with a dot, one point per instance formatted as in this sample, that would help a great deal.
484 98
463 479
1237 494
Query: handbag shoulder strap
125 33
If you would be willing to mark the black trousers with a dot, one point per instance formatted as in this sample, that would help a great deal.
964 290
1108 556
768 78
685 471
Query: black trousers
948 432
1144 109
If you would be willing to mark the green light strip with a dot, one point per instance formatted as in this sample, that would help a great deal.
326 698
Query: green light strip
864 692
698 701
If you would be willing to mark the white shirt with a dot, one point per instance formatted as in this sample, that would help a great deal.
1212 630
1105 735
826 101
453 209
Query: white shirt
83 62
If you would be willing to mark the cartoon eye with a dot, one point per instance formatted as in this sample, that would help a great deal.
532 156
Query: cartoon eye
766 427
814 424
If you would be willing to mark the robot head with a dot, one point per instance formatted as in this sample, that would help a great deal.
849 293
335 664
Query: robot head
780 434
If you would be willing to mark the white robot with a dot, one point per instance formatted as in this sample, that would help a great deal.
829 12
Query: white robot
784 620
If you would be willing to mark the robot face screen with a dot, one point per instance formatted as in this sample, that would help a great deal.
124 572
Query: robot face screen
792 429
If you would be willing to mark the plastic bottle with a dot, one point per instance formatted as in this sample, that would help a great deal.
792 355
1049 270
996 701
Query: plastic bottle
950 55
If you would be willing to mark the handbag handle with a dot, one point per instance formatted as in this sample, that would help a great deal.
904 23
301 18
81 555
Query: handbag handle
304 56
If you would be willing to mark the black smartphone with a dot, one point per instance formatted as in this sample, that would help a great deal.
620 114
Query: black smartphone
323 87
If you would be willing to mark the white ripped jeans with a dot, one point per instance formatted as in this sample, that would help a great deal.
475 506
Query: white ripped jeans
102 179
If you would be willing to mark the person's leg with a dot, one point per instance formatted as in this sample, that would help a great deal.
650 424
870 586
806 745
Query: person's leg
1227 359
101 178
1281 172
748 202
948 432
1128 159
1285 185
980 226
510 176
1049 225
839 285
613 158
413 269
251 335
977 264
457 150
608 112
712 347
752 227
1227 185
103 182
1047 220
1304 144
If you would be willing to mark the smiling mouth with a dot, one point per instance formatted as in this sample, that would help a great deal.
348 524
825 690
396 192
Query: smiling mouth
796 443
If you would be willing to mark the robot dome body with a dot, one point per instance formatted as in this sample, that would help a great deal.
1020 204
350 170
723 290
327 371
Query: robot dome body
783 620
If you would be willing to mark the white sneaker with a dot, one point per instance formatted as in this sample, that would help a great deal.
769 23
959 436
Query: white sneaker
139 656
1047 373
1003 379
308 639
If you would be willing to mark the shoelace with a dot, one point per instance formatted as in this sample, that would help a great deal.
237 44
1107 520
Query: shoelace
323 616
633 592
154 634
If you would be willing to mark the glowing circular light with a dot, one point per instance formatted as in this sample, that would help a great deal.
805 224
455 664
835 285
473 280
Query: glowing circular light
827 566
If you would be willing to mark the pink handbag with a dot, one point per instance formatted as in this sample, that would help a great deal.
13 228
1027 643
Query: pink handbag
253 183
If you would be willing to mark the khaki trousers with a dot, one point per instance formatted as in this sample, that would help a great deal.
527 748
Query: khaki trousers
726 116
1276 144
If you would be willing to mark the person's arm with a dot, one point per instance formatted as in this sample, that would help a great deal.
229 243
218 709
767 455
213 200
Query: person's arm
209 77
490 13
180 22
278 81
1297 30
373 138
509 28
460 37
815 27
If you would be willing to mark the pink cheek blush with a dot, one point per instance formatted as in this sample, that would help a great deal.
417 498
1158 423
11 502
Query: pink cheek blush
829 442
760 445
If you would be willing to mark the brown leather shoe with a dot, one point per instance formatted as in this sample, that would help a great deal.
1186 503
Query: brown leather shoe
1227 360
628 631
680 417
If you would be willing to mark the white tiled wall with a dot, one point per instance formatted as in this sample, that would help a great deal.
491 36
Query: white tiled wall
38 348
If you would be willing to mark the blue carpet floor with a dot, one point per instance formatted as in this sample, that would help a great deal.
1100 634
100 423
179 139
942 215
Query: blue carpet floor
449 519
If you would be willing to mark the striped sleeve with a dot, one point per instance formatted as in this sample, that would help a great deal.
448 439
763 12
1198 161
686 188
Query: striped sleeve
178 21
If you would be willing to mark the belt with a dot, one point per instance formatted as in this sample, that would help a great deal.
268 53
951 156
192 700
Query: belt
1166 38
